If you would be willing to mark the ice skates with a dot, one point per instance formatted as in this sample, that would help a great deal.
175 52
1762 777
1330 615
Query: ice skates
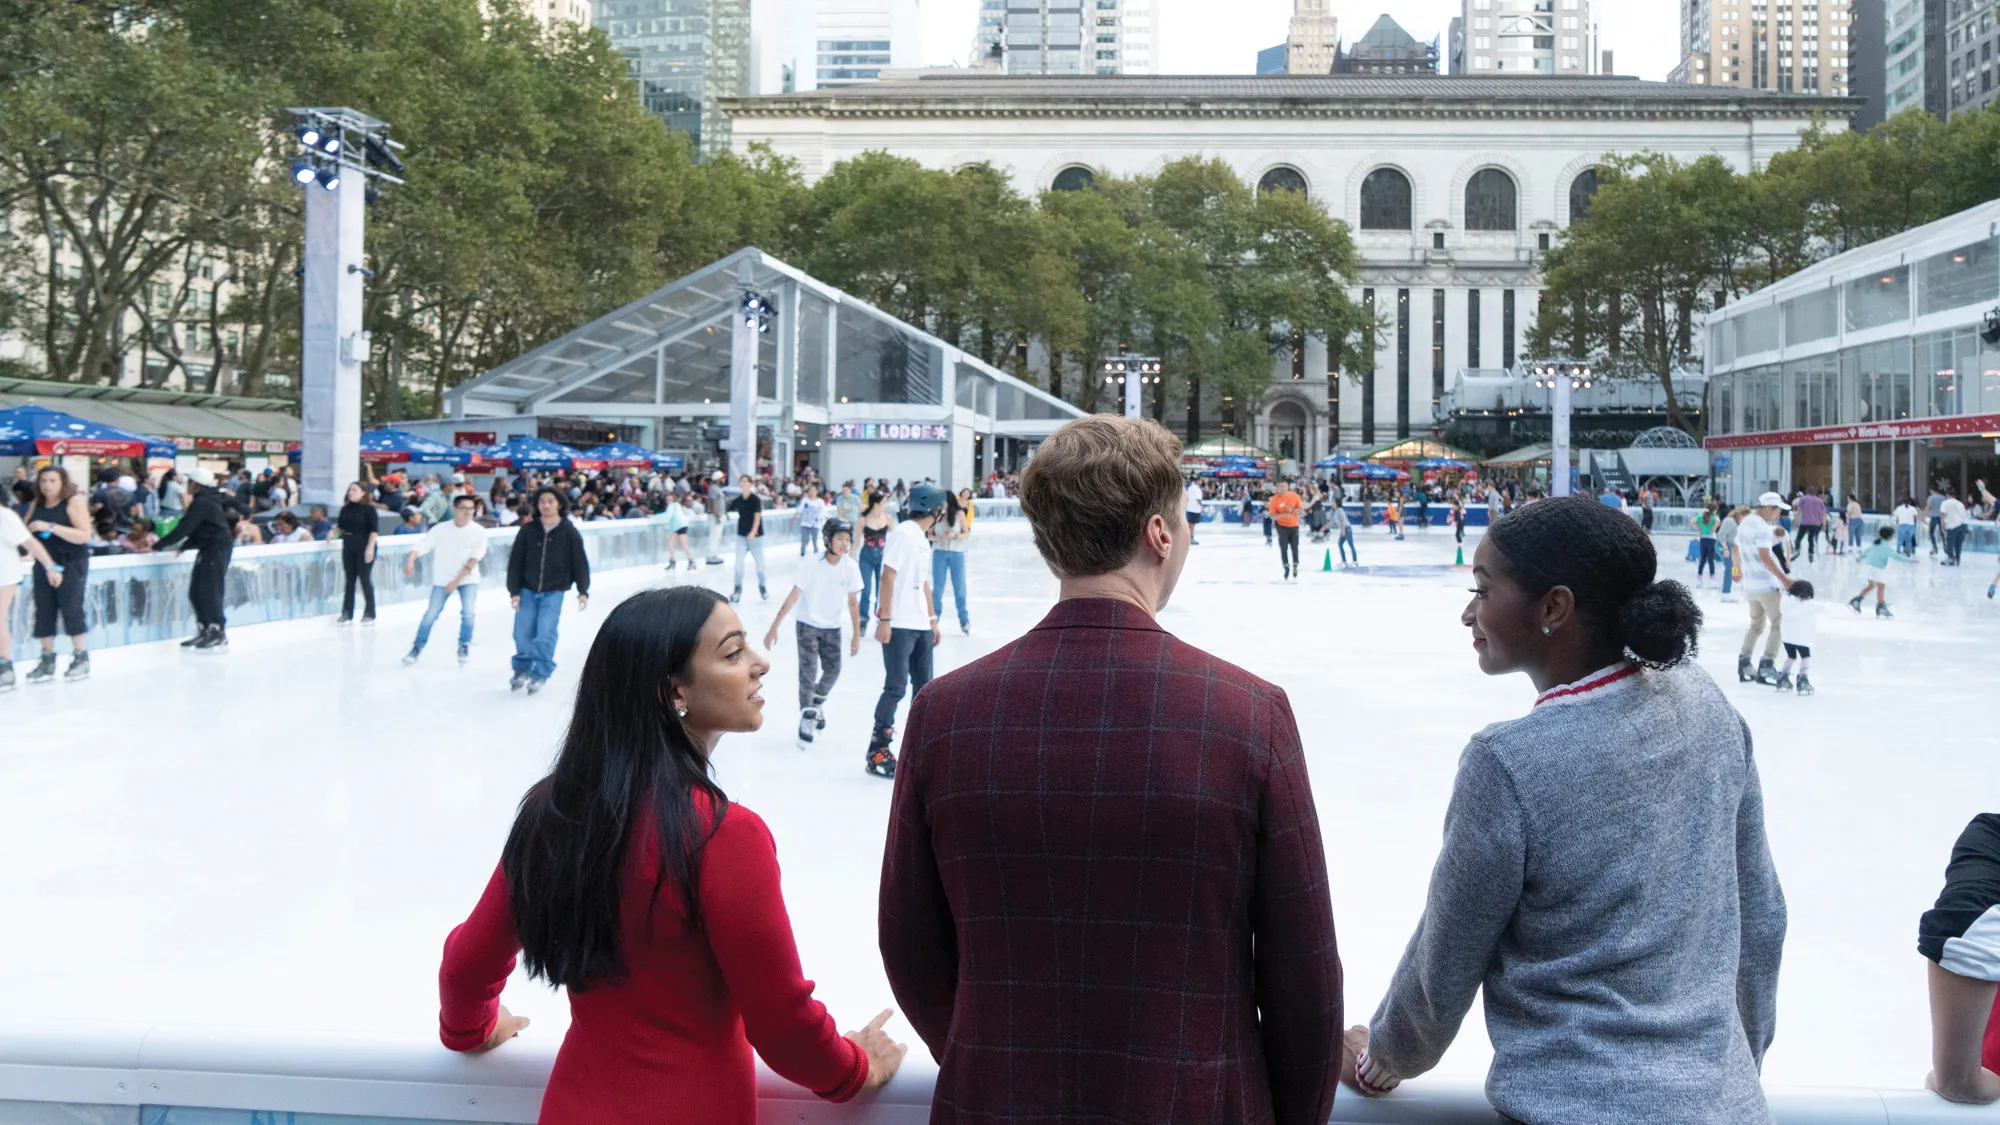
881 762
6 675
1784 682
1744 672
515 682
216 641
1767 673
1882 610
44 670
809 724
1804 685
79 667
1855 603
464 653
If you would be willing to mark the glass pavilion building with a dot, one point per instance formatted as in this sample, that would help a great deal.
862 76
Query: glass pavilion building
1867 373
842 386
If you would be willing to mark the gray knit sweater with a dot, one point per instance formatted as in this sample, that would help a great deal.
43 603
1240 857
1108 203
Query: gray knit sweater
1606 878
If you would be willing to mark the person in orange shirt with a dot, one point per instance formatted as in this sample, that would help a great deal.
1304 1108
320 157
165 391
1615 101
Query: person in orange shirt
1285 509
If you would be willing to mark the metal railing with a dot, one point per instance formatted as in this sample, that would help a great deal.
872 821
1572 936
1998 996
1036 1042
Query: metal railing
164 1075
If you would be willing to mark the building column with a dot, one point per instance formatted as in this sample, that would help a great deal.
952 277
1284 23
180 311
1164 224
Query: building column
1834 495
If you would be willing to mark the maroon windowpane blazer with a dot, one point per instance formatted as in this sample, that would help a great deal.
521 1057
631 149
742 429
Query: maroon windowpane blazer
1104 896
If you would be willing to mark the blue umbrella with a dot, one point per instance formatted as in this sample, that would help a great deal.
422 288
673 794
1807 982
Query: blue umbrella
669 461
1442 463
532 453
1376 472
620 453
1337 462
26 431
392 446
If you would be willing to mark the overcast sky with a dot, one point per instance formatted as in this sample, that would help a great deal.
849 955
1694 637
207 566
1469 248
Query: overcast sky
1224 36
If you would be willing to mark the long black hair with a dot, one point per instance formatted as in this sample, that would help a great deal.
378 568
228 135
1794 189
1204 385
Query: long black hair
626 759
1608 564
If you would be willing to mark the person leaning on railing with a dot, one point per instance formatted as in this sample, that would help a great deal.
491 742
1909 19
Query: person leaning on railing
1961 938
631 880
1605 878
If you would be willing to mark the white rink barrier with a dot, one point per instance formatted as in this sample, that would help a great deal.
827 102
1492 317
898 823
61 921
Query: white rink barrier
119 1074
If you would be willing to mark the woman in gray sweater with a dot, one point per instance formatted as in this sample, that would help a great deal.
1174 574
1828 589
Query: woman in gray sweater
1605 876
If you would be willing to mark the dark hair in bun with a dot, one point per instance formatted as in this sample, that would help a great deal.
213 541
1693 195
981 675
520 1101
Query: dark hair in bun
1608 564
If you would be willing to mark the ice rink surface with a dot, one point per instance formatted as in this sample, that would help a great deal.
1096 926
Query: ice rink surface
283 835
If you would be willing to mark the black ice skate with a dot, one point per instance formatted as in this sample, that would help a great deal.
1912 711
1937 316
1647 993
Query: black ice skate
6 675
200 635
1805 686
819 712
1767 673
44 670
79 667
216 641
1784 682
1855 604
881 762
1744 674
809 722
1882 610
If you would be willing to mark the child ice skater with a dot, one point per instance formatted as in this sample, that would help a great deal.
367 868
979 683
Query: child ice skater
823 585
1876 559
1801 618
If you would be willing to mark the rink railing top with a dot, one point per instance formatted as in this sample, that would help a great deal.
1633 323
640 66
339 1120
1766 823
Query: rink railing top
90 1068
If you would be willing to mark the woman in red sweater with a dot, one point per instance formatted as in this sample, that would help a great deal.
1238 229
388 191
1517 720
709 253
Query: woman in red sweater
630 880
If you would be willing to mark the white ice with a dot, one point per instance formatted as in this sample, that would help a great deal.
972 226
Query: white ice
282 836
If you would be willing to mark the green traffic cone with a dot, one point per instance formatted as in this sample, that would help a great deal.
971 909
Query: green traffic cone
1461 557
1328 565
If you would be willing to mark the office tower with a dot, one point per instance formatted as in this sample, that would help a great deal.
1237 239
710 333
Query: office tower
1271 60
1916 66
1455 45
1971 34
1314 38
1068 36
685 55
1790 46
1527 37
798 45
1387 49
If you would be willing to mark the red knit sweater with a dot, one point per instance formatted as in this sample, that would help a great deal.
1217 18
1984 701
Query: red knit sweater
670 1043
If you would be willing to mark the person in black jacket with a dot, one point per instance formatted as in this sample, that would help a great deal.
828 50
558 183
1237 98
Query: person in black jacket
209 527
547 559
359 528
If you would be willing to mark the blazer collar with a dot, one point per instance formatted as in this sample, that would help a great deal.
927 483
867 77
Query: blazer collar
1098 613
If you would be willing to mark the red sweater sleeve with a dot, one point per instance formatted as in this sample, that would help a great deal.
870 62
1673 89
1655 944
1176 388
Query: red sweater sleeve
478 959
749 931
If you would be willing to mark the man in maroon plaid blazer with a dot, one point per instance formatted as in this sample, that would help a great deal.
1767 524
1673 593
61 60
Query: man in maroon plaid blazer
1104 897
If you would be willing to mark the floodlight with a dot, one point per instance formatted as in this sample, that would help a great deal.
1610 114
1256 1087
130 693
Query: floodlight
303 173
309 135
379 153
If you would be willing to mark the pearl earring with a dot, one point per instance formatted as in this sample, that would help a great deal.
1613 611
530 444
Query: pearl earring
683 712
1545 632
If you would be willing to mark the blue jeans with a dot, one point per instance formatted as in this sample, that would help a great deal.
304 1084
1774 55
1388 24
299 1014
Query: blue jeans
871 578
1906 538
468 595
1347 546
948 564
1728 570
535 634
1854 533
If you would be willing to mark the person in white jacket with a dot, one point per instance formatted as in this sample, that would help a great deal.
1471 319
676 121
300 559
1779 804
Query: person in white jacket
456 549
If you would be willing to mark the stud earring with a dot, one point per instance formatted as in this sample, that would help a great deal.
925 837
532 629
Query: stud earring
683 712
1545 632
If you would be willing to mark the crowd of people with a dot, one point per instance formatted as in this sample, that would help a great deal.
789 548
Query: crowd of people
1072 945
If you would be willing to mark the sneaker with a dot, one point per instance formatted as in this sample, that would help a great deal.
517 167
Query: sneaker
1784 682
535 685
411 656
79 667
6 675
44 670
217 641
514 683
1805 686
808 726
464 653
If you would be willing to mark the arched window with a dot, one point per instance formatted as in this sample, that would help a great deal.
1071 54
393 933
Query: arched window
1073 178
1581 191
1385 200
1282 178
1490 201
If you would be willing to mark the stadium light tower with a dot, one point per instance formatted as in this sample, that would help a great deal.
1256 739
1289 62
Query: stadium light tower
342 152
1559 377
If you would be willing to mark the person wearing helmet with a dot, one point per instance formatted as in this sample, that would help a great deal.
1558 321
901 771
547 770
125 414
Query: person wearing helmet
906 623
827 592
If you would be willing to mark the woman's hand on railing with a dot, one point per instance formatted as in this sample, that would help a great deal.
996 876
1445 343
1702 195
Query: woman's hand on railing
885 1055
506 1027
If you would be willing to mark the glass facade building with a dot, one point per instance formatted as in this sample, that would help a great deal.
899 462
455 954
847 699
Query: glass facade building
685 56
1868 374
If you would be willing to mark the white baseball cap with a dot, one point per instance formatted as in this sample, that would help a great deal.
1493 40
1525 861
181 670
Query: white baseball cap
1773 500
202 477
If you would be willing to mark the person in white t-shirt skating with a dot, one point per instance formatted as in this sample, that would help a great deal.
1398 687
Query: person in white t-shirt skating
1764 584
1801 634
14 535
457 548
906 620
827 592
1193 508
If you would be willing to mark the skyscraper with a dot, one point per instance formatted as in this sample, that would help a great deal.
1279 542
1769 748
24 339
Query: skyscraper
1791 46
1915 59
1973 38
798 45
1068 36
1525 37
685 55
1387 49
1314 38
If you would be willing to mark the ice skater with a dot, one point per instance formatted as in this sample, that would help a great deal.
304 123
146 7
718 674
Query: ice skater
678 520
1705 526
456 549
812 514
1876 559
206 528
827 592
1343 532
547 559
748 508
906 622
14 537
1801 633
1764 583
1284 512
